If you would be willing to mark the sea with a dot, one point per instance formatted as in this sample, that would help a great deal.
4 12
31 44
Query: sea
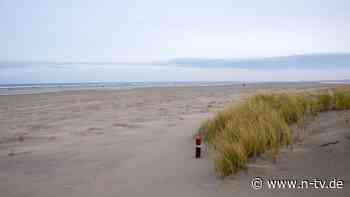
35 88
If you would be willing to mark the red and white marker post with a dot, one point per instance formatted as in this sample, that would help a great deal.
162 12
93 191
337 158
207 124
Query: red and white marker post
198 147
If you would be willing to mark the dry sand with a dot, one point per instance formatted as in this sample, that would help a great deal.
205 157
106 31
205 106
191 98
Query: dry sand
139 143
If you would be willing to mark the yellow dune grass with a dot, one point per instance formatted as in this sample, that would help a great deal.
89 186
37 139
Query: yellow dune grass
261 124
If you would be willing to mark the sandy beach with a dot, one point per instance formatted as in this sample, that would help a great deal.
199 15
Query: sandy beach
139 142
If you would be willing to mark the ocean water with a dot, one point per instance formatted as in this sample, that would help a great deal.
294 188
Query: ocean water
24 78
13 89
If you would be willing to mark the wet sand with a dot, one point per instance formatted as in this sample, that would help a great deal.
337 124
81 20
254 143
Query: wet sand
139 143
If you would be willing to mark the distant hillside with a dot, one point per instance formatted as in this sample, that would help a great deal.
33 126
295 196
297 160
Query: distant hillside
296 61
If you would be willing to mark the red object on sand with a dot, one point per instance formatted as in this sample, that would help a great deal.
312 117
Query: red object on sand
198 140
198 147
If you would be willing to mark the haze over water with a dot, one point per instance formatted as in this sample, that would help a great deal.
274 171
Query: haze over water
293 68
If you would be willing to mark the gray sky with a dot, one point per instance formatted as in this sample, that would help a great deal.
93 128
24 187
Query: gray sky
136 31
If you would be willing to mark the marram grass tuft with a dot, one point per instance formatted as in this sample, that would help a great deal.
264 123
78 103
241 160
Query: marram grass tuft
261 124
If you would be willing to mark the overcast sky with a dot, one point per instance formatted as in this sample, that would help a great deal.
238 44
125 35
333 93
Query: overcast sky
147 30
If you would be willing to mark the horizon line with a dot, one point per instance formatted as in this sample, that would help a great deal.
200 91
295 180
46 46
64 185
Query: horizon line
161 62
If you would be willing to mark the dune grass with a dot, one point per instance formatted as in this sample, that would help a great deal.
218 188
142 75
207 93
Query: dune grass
260 124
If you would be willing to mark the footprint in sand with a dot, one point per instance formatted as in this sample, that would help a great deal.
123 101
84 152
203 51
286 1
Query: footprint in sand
329 143
13 153
92 131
